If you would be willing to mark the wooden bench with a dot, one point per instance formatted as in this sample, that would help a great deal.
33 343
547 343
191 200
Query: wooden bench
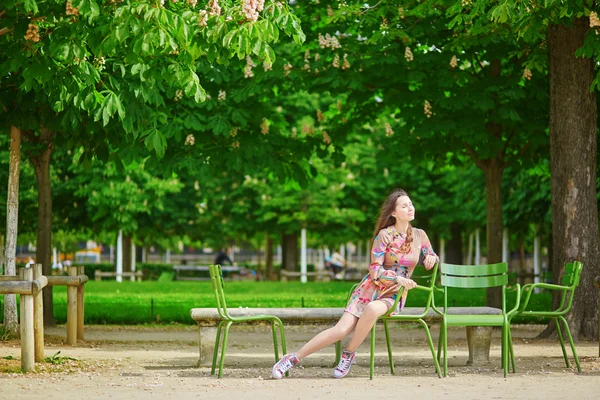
320 275
98 275
232 269
478 338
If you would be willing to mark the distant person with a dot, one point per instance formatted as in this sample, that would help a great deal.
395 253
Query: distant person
395 240
222 258
336 264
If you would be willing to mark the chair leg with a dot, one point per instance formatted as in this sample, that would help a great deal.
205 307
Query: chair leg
216 349
388 342
445 343
338 352
435 360
224 346
440 345
372 360
275 341
283 344
571 342
510 350
562 341
504 349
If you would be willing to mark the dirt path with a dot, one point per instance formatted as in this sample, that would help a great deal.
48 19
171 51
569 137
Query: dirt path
160 363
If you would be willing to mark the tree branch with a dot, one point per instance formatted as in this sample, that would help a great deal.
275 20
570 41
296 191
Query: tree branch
4 31
473 155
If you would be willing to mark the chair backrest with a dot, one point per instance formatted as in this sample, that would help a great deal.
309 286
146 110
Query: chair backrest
572 274
473 277
216 277
571 277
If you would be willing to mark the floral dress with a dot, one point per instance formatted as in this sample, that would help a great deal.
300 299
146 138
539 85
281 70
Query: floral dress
387 262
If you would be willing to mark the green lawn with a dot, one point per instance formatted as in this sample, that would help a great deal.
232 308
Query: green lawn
166 302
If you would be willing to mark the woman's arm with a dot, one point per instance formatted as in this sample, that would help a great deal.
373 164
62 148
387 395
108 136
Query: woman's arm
380 247
429 256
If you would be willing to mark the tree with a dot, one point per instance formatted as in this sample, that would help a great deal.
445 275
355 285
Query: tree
571 29
102 72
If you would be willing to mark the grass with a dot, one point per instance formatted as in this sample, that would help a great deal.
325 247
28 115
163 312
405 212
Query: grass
168 302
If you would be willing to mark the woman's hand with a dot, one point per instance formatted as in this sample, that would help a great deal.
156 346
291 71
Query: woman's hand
429 261
406 283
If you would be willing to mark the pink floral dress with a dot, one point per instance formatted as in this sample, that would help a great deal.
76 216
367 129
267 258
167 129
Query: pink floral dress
386 263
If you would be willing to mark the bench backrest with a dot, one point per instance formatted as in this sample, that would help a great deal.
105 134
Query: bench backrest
474 276
572 274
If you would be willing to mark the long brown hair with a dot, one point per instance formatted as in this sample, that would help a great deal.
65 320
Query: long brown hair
386 218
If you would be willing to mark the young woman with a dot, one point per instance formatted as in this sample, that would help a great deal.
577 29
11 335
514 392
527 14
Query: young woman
396 249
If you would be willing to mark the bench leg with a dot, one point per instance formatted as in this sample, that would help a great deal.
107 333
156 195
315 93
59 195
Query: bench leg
479 339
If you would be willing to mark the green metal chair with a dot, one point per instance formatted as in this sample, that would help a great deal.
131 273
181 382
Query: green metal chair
428 278
470 277
569 282
216 277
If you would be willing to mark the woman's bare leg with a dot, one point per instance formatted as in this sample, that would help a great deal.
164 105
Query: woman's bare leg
342 329
373 311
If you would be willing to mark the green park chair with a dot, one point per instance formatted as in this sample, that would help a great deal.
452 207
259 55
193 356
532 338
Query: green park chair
428 280
216 276
569 282
471 277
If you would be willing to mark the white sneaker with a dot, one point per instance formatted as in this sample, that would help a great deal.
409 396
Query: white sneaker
346 362
284 365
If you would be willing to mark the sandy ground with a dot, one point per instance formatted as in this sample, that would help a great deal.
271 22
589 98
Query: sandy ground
160 363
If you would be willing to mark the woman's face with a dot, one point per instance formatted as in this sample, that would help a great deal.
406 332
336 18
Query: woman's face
404 211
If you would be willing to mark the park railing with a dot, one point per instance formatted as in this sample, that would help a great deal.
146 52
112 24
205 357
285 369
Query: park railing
29 284
75 282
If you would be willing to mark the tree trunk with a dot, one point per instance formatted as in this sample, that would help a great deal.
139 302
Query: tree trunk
454 246
493 169
11 320
573 163
41 164
290 251
269 257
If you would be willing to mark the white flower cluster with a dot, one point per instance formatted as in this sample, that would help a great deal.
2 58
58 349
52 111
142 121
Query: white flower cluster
192 3
326 138
388 129
248 69
346 64
215 9
100 63
178 95
190 140
408 55
251 9
264 127
329 41
33 33
71 10
202 18
320 116
594 21
527 74
287 68
336 61
267 66
329 11
427 109
233 131
401 12
453 62
307 129
222 95
235 144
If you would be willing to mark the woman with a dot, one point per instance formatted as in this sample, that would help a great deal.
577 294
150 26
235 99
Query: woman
397 245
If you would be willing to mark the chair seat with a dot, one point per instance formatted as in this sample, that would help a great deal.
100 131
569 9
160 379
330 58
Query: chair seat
475 320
